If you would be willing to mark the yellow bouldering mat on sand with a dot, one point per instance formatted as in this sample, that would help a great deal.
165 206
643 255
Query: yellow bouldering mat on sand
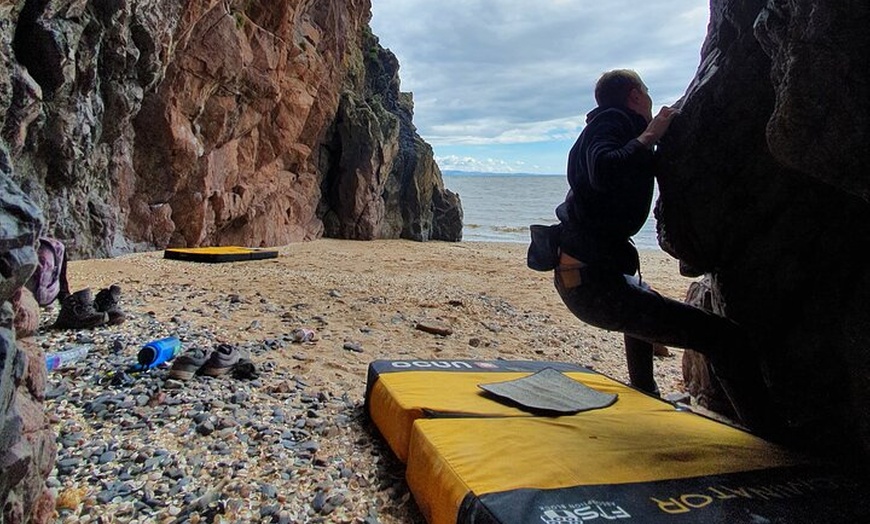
400 392
471 457
219 254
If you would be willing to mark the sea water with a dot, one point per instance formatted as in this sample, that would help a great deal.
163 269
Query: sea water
500 208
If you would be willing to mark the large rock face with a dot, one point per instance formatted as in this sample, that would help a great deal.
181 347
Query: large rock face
27 448
766 188
139 124
381 177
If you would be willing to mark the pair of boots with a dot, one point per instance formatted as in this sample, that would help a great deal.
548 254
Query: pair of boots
81 310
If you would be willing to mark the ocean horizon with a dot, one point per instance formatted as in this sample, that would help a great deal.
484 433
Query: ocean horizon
500 207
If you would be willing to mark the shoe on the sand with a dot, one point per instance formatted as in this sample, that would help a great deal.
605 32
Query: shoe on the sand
108 301
77 312
221 360
185 366
245 370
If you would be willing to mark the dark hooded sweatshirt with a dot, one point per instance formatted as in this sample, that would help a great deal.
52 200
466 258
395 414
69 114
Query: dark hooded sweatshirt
611 176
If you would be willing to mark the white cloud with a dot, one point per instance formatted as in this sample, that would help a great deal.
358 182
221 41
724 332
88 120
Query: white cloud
501 131
514 71
477 165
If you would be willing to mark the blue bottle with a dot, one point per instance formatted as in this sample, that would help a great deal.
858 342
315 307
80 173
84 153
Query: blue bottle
157 352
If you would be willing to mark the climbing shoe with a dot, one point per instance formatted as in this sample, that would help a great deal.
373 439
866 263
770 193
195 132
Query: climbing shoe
186 366
221 360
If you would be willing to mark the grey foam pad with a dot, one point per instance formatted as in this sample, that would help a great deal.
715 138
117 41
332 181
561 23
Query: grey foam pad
550 391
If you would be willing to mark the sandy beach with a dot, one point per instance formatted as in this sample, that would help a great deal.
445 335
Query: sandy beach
365 301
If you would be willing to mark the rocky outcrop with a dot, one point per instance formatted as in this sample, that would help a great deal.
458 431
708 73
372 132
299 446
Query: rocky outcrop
700 377
136 125
27 448
765 189
381 177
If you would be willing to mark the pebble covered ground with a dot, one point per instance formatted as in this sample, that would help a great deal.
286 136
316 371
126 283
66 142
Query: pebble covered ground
292 444
139 447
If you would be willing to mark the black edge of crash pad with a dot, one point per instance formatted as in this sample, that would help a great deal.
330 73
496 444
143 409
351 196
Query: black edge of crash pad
187 256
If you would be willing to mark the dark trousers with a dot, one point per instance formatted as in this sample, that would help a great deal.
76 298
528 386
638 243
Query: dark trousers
617 302
639 358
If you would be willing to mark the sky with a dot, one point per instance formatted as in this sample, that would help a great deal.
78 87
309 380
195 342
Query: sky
504 85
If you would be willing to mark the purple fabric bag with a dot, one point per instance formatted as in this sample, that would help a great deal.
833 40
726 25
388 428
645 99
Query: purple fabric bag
45 282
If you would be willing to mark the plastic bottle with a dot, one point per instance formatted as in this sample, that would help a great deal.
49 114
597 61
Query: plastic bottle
65 358
303 335
157 352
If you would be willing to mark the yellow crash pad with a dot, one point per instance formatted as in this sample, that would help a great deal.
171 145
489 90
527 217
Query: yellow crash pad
219 254
472 459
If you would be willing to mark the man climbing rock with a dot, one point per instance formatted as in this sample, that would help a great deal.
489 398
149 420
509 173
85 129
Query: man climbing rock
611 173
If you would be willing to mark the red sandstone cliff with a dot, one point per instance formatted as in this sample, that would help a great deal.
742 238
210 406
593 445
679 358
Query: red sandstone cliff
133 125
137 125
